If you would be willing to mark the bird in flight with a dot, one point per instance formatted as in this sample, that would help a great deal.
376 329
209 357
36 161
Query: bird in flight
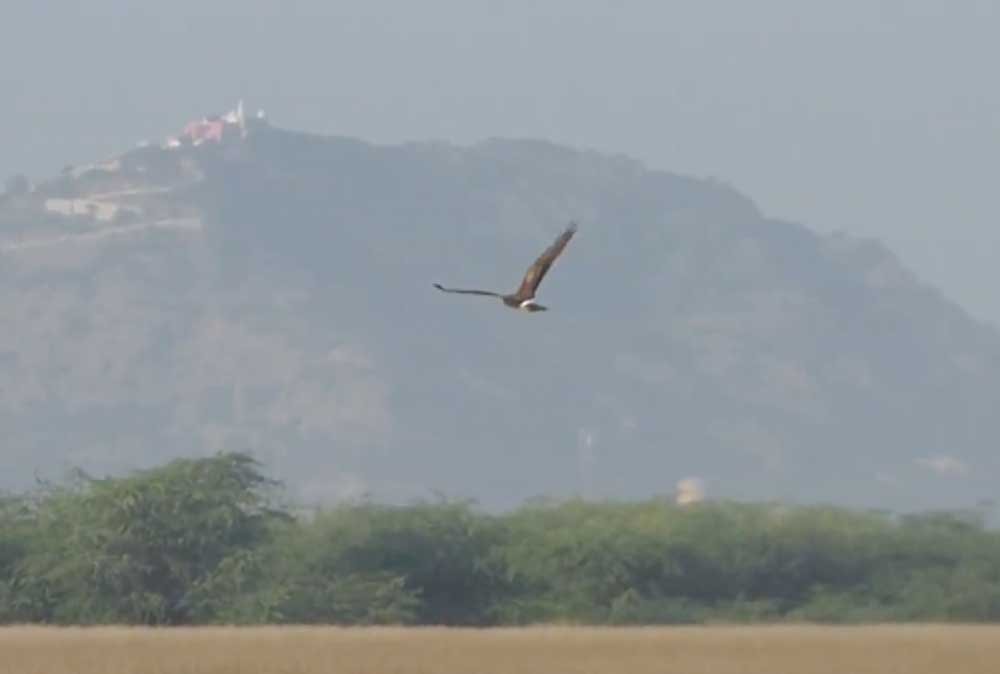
524 298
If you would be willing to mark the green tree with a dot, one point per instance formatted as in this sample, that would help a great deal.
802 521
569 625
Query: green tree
432 563
149 548
15 537
201 540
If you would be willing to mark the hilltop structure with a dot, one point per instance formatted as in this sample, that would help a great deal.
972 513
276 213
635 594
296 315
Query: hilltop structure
215 128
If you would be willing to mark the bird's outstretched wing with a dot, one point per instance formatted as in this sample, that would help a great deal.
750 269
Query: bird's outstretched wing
536 272
465 292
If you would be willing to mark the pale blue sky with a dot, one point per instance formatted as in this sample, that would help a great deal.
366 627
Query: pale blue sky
878 118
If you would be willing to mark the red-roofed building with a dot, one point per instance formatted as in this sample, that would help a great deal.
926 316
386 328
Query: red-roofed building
199 132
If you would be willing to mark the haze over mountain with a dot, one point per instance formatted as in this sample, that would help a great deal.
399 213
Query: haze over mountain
878 119
270 290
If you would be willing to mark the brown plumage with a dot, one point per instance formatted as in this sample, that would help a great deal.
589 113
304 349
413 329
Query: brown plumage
524 298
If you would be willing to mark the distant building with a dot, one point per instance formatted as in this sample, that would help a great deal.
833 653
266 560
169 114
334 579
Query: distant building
235 116
204 130
690 490
211 129
104 211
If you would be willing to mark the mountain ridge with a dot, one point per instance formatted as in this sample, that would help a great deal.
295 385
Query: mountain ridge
691 336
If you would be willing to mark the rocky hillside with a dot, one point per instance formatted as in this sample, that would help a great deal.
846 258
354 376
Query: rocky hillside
272 292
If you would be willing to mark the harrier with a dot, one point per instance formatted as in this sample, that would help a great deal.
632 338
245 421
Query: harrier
524 298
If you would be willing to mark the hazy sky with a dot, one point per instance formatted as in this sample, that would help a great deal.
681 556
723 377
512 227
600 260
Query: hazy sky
878 118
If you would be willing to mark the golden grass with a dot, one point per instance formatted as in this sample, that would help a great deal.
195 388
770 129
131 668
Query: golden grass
910 649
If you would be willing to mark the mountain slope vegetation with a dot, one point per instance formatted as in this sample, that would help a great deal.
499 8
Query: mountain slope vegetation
272 294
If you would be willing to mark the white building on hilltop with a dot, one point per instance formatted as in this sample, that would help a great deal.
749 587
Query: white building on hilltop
212 129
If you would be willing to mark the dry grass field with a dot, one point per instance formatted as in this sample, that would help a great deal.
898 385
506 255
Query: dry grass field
930 649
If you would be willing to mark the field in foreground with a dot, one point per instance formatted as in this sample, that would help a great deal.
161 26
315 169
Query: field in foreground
290 650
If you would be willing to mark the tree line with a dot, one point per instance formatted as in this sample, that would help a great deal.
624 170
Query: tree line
211 540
